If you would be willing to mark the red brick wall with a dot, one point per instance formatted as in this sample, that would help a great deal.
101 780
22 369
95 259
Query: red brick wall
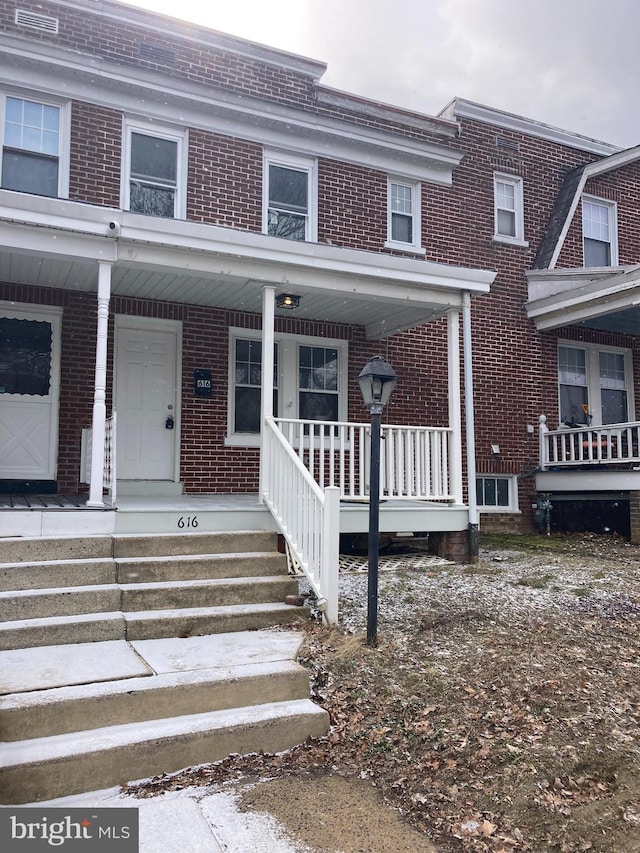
95 156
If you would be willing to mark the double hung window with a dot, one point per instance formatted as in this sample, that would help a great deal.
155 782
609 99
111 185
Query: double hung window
32 147
599 233
403 215
508 208
289 198
154 183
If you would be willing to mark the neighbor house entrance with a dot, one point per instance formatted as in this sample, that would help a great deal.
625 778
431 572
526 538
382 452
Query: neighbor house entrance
29 393
146 398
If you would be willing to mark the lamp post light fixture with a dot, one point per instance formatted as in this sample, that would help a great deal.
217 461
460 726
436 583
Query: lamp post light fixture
377 380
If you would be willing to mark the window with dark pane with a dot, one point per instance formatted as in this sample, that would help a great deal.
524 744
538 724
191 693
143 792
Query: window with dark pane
401 213
25 357
153 175
318 383
288 202
248 380
31 147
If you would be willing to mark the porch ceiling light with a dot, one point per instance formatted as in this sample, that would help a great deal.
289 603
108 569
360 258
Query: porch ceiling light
287 300
377 380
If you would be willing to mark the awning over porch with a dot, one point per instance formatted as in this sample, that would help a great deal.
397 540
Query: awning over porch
604 298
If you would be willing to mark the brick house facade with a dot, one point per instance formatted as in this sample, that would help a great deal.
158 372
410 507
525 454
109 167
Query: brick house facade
384 222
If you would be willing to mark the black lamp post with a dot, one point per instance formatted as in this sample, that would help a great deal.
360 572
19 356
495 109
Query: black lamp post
377 380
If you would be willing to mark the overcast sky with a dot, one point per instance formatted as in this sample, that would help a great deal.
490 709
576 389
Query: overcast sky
569 63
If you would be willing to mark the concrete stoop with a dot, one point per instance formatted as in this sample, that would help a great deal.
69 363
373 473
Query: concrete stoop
124 657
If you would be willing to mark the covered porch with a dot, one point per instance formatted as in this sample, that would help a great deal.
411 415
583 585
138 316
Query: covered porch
314 477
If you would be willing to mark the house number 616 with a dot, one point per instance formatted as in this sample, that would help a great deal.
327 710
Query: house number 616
187 521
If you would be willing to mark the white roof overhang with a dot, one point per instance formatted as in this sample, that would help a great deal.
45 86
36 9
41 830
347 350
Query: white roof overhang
569 296
54 243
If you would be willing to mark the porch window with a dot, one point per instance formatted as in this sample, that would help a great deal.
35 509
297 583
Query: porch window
309 382
32 147
248 381
289 198
154 184
508 208
599 233
595 385
496 493
403 215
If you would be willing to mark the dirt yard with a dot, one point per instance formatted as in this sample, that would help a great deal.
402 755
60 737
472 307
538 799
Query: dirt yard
500 711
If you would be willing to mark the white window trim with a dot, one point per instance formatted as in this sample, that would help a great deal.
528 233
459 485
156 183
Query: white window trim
288 377
592 362
162 132
512 481
518 186
613 226
64 156
303 164
416 208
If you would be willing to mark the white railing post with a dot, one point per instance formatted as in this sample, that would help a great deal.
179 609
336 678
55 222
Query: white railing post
331 552
544 454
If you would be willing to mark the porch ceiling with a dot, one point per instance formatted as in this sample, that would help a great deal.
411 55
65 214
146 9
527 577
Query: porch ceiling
61 244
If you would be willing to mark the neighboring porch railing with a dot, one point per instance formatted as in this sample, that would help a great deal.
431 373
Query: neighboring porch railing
613 444
109 476
308 516
414 461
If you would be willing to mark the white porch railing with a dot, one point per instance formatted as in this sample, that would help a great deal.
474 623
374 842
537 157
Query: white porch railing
307 515
109 475
586 445
414 461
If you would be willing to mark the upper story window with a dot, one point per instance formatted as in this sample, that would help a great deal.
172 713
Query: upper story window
32 147
508 208
289 198
403 215
154 181
599 233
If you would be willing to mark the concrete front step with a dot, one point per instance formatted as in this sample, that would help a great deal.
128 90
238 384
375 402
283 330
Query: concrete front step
146 624
60 710
24 549
74 601
45 768
171 544
55 573
194 566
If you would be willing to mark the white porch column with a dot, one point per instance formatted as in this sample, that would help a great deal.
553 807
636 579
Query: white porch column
469 412
455 403
100 387
266 391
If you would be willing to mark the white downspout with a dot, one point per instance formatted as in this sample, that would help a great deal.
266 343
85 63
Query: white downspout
455 403
469 421
100 388
266 390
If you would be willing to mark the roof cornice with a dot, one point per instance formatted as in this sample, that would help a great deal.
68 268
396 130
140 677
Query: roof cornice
43 67
163 25
461 108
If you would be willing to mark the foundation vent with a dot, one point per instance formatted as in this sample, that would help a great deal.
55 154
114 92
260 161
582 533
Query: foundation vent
34 21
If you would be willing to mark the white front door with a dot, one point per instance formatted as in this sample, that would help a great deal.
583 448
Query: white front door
146 399
29 391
